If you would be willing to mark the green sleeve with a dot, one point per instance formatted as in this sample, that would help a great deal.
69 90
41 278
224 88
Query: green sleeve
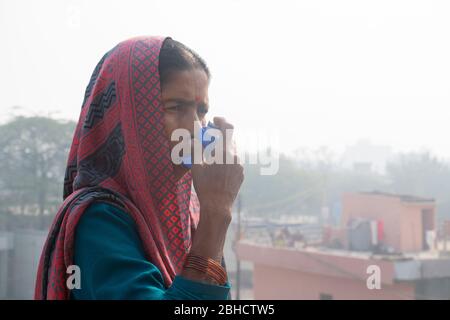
112 263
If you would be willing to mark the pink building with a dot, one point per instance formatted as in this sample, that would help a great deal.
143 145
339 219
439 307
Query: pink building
406 219
410 271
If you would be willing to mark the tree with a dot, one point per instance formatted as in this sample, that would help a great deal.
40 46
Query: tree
291 191
33 154
422 174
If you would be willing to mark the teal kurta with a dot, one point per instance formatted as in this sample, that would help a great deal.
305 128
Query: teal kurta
113 265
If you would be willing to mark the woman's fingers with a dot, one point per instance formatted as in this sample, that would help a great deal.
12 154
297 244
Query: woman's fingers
227 130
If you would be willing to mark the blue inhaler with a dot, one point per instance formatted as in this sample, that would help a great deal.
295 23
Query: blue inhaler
206 139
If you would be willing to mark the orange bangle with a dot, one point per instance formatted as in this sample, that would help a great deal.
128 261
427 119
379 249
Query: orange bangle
217 275
218 279
208 266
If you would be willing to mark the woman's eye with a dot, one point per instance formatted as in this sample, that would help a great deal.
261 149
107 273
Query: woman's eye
175 108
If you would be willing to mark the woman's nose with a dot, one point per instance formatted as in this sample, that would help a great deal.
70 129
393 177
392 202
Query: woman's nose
192 121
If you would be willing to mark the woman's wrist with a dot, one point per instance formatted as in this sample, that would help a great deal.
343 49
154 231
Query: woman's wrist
209 240
210 235
208 244
215 214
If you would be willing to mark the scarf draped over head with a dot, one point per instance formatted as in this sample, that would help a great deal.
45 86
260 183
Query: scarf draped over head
121 155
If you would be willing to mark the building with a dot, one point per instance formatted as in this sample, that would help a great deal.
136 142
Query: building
398 256
407 220
19 258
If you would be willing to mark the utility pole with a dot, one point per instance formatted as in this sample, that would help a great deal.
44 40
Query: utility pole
237 238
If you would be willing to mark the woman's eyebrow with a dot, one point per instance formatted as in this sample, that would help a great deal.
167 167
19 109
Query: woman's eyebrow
181 101
185 102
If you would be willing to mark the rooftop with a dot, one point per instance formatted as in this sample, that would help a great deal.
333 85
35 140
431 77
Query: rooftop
402 197
344 263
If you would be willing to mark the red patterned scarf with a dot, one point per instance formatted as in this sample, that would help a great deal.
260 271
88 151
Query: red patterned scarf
120 155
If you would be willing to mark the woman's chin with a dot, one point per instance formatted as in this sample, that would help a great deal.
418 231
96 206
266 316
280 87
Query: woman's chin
180 170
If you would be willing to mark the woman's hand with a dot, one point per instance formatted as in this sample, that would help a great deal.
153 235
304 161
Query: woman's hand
217 186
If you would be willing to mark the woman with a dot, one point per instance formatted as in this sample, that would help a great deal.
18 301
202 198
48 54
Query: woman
130 220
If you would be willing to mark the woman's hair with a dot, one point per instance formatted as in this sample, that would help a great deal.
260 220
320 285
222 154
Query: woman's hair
175 56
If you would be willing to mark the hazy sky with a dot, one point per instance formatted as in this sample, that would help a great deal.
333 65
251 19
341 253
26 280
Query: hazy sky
321 72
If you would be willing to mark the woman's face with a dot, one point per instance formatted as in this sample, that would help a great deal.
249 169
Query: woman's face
185 101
